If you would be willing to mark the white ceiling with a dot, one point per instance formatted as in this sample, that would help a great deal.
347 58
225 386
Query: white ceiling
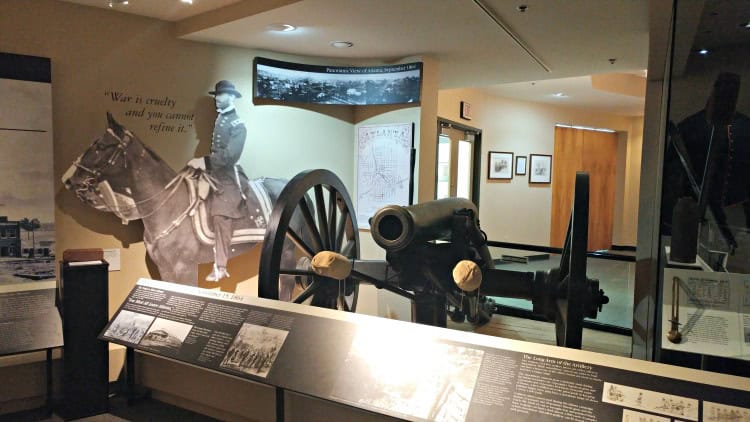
166 10
577 91
573 38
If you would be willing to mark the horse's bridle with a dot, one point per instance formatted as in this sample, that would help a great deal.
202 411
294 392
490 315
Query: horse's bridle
91 182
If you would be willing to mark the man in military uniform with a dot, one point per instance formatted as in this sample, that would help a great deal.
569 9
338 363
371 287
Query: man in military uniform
728 184
225 204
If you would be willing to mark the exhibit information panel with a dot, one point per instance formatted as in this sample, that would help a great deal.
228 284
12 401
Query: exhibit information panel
400 369
29 319
710 310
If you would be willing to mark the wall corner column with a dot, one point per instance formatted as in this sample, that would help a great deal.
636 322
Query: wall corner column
427 154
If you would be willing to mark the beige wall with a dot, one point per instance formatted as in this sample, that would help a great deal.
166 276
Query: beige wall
96 51
517 211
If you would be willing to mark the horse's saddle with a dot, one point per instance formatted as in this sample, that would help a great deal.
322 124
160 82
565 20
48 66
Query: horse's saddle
251 229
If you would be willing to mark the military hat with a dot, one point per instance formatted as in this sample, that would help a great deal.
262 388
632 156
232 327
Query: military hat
225 87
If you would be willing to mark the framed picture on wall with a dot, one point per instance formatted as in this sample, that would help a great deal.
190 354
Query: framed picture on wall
465 110
500 165
521 164
540 168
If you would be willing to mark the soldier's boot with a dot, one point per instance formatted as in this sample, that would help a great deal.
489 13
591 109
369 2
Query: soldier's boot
217 274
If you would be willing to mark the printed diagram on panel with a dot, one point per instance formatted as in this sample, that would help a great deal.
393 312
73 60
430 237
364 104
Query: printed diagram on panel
717 412
710 310
708 293
633 416
383 168
650 401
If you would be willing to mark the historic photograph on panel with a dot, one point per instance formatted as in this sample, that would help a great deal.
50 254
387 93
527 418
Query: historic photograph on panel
129 326
295 82
166 335
405 381
500 165
27 220
254 350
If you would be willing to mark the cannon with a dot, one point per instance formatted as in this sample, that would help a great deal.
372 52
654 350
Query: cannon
436 256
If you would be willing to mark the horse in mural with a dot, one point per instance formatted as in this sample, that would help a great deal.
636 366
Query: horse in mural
118 173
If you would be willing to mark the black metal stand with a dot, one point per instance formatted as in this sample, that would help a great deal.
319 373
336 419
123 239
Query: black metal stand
429 309
85 357
49 393
48 366
279 404
130 375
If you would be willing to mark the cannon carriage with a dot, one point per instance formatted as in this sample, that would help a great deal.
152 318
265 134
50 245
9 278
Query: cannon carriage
436 256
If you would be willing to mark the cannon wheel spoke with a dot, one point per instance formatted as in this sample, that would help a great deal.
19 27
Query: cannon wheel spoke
314 213
307 293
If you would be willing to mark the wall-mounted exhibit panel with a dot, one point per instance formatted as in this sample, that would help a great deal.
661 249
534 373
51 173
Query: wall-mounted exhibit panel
343 85
27 220
29 319
409 371
706 313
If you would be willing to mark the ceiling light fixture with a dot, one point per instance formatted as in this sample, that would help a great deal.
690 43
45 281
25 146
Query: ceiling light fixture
341 44
703 52
187 1
559 95
745 25
281 27
113 3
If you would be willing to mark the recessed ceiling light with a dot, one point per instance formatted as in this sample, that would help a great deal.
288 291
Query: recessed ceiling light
341 44
745 24
281 27
187 1
703 52
113 3
559 95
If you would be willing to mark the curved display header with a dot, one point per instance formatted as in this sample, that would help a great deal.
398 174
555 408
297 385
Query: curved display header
302 83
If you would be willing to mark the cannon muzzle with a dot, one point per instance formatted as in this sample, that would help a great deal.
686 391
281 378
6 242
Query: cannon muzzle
395 227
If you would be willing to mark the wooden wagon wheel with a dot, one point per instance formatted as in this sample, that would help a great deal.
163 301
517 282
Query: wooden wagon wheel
573 289
314 213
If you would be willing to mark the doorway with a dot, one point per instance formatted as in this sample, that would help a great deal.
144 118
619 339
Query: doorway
458 161
593 151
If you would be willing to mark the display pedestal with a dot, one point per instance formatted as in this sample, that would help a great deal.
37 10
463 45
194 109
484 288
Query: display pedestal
84 307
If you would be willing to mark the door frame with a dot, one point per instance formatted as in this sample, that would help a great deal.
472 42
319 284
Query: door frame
476 173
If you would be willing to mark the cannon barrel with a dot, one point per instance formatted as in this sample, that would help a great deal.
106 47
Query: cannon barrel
395 227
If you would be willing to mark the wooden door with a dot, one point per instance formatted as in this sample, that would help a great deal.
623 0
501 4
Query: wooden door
596 153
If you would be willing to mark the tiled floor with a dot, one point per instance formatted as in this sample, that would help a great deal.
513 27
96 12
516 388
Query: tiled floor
616 278
544 332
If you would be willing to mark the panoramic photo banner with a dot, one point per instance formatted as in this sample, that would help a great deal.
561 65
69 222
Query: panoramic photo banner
343 85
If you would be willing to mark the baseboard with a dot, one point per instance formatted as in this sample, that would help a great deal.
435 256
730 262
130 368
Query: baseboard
623 248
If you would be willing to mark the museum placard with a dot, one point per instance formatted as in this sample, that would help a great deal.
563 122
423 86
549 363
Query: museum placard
395 368
29 319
